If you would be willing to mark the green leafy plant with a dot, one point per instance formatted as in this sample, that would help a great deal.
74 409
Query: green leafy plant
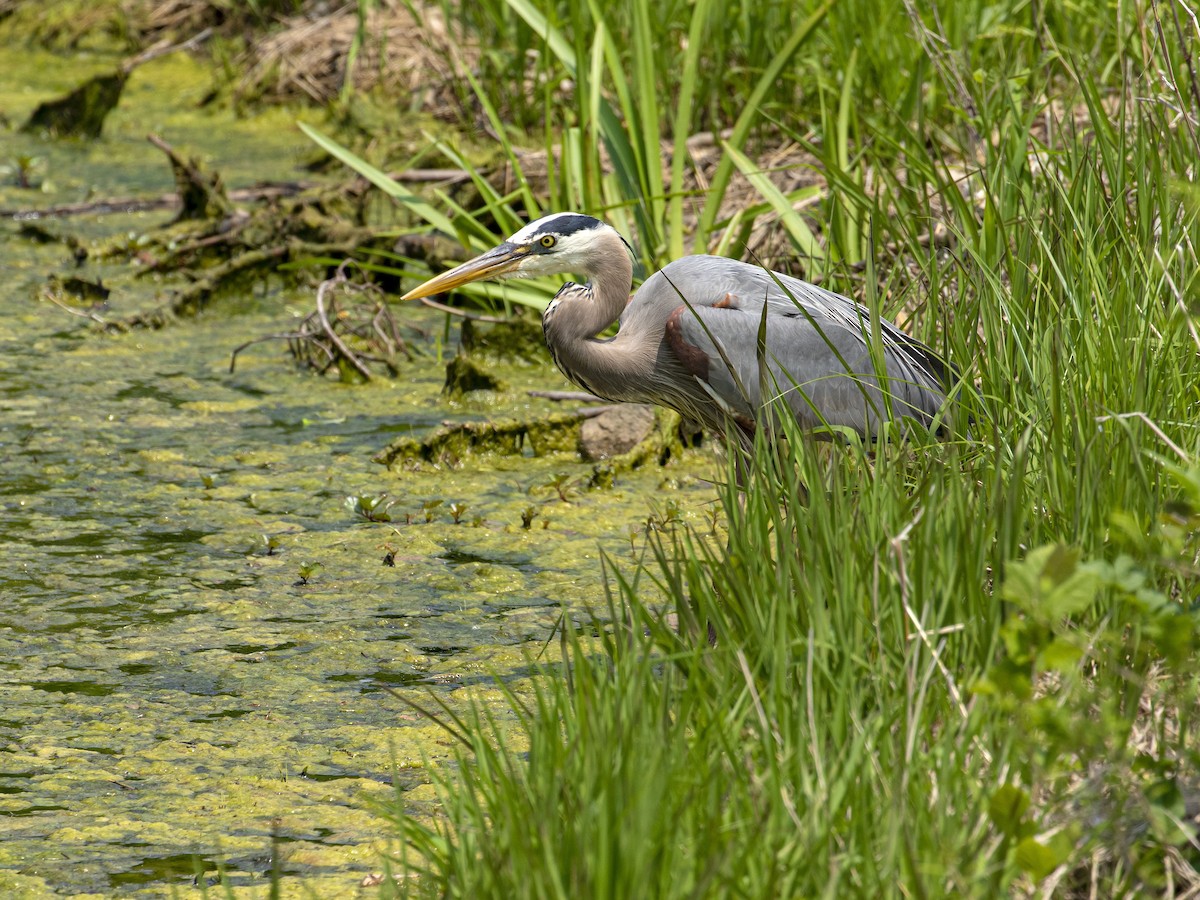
527 516
270 543
308 571
372 507
428 508
561 484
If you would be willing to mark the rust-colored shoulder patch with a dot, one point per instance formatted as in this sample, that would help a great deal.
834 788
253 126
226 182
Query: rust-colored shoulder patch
745 426
693 359
729 301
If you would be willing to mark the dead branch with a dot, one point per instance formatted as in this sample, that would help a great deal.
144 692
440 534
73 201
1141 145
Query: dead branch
337 342
163 47
359 333
253 194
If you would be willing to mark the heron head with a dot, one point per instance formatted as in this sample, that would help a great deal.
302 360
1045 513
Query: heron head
560 243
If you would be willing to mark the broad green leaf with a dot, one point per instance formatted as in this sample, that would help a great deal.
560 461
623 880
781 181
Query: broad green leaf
1059 655
1071 596
1050 584
1038 860
1006 809
1061 564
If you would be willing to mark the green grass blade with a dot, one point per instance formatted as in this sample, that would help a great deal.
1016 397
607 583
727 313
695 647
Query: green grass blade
747 119
784 206
380 179
682 128
554 38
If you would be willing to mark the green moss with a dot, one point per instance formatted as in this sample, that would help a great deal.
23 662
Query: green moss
554 434
69 24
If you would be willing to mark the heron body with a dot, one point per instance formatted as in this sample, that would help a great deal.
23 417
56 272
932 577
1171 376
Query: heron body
714 338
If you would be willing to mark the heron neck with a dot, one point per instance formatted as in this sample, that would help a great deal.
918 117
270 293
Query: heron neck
609 291
585 311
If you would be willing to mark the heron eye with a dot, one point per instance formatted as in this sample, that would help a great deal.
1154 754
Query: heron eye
548 241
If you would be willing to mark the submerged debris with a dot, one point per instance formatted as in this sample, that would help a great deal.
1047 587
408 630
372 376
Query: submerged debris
464 375
347 337
201 193
217 245
79 288
81 112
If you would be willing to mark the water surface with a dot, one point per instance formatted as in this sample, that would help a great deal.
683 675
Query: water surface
174 696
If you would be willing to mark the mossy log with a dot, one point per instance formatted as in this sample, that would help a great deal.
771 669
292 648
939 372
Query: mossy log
553 433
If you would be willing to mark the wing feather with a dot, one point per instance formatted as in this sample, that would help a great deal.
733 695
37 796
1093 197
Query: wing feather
749 335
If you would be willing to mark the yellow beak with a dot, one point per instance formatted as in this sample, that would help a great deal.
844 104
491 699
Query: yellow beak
503 260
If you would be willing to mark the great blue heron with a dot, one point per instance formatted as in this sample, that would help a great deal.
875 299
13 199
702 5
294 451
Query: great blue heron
714 338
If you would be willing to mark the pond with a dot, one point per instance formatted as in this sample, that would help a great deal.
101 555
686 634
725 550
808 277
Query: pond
198 636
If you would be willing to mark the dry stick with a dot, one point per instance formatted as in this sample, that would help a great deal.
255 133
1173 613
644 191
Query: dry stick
212 240
453 176
332 335
475 317
195 295
116 204
210 186
1153 426
288 336
935 46
197 292
391 338
810 706
83 314
162 48
1187 61
1187 54
1179 304
591 412
568 396
897 544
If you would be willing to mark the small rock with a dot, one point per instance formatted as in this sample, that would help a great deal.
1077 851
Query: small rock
616 431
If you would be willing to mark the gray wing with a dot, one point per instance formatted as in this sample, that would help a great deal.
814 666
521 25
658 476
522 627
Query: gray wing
816 355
